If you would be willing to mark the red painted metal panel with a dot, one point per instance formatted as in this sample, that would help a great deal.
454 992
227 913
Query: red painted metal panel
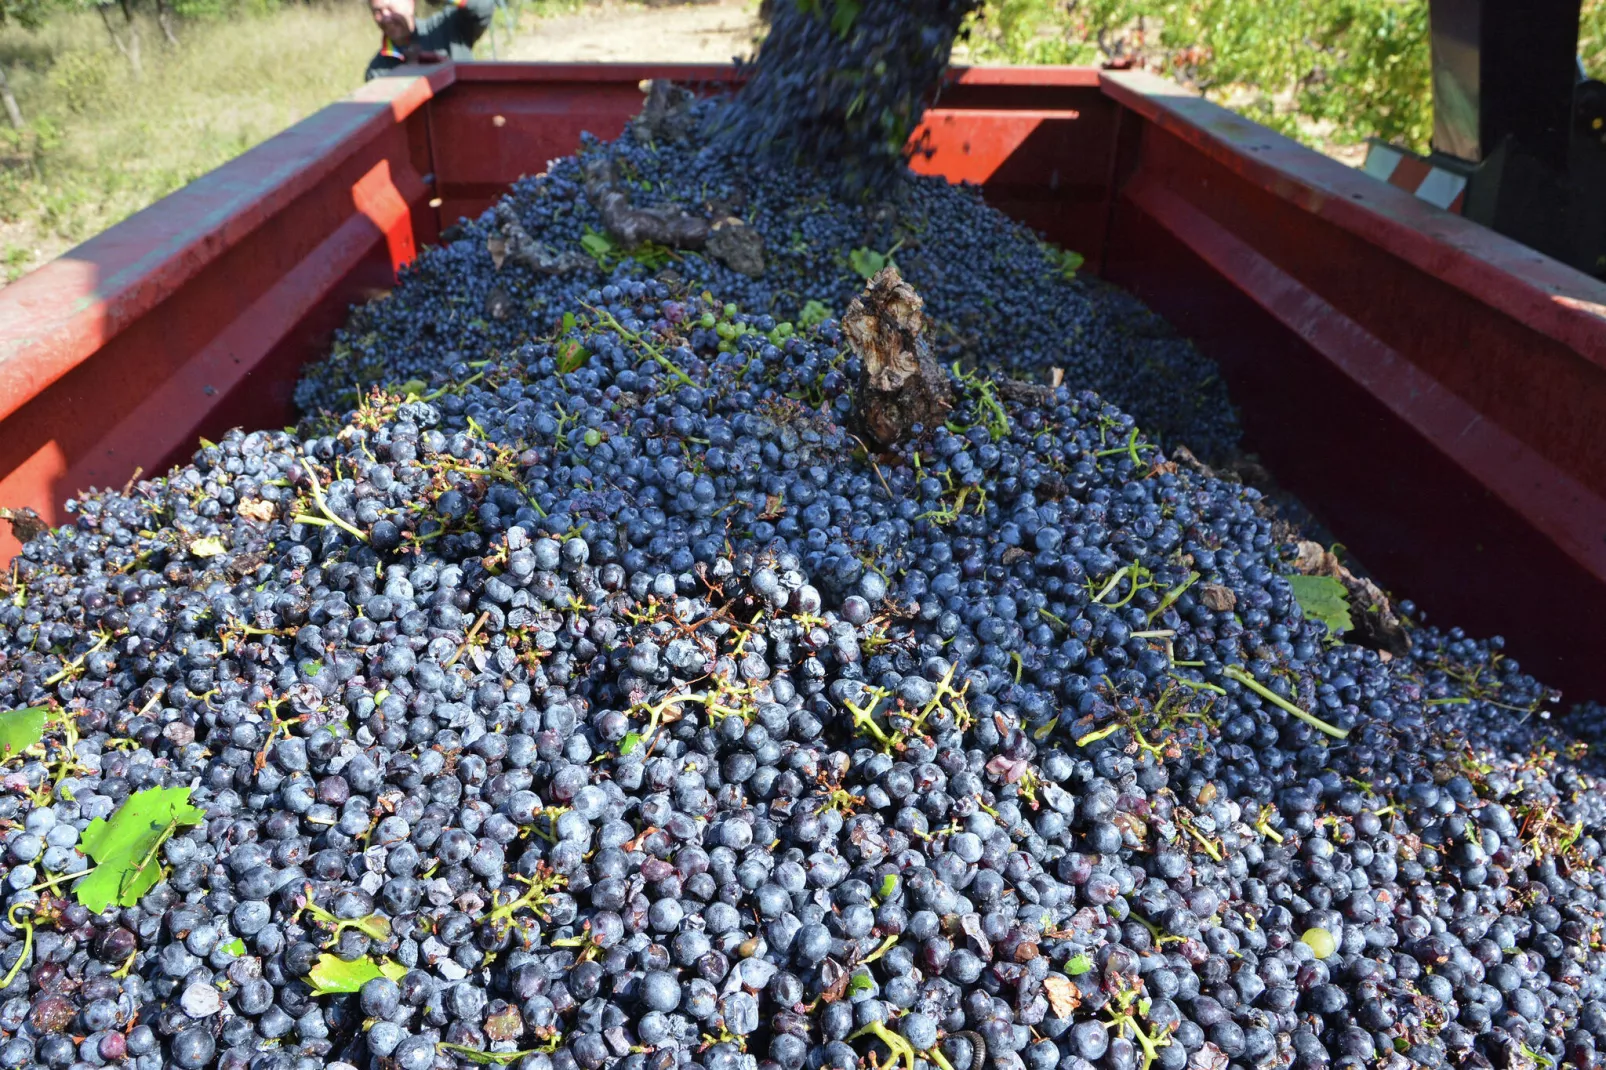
1048 169
1438 401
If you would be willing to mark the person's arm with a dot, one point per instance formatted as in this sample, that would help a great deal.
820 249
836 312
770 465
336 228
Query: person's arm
471 19
383 61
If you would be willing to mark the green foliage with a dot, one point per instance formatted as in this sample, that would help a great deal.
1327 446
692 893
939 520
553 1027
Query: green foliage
1066 262
29 14
81 79
814 313
19 730
1323 70
102 141
1323 598
607 253
1592 38
1078 964
124 848
332 974
869 263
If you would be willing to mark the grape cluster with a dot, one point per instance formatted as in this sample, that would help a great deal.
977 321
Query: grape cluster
574 690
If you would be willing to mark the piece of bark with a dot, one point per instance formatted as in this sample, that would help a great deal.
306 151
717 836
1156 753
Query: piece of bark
26 525
1037 394
1218 599
513 243
631 225
738 246
666 115
901 385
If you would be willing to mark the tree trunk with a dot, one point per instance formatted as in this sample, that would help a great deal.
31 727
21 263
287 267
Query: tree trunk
13 112
164 19
130 47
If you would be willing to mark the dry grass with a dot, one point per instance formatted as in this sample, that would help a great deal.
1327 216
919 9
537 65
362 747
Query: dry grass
103 143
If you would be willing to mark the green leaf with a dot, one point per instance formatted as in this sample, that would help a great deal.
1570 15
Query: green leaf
124 848
631 741
1066 263
1323 598
866 262
413 387
843 18
572 356
210 546
568 322
860 982
1078 965
235 947
332 974
889 885
20 729
599 245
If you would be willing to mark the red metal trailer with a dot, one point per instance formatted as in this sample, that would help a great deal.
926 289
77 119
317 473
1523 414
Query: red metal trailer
1434 392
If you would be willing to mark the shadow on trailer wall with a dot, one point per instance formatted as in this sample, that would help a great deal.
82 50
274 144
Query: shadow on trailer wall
1434 392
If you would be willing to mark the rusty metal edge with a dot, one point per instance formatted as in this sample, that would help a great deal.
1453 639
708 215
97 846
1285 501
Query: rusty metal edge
1543 294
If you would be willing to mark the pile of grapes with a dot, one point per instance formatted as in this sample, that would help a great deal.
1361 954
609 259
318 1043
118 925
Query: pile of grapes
580 687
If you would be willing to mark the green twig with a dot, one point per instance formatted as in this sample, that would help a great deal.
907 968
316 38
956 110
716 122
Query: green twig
1232 672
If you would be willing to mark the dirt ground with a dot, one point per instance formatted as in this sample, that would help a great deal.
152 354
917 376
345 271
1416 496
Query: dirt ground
709 32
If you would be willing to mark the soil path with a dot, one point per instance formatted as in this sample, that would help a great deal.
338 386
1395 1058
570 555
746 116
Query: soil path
708 32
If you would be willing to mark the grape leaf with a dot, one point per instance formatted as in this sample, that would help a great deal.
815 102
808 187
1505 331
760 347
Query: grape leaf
1323 598
1078 965
1063 998
572 356
631 741
889 885
124 848
868 262
235 947
210 546
20 729
1066 262
332 974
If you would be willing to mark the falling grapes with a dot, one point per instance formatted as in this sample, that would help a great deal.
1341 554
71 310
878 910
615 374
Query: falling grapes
577 688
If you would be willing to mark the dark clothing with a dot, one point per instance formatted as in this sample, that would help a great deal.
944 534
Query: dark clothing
449 34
